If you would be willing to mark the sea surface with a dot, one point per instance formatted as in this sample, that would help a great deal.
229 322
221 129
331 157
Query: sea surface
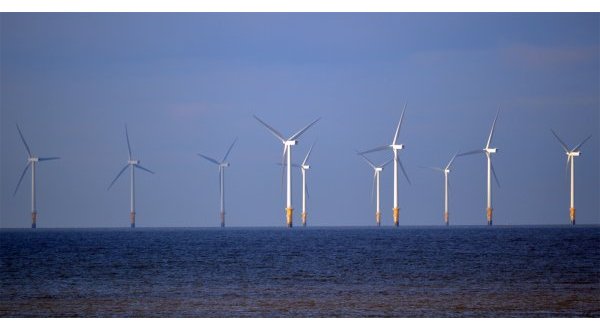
302 272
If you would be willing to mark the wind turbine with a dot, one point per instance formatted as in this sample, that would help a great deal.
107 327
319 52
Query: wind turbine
287 149
571 154
31 161
395 147
376 171
303 168
446 171
490 168
132 164
222 164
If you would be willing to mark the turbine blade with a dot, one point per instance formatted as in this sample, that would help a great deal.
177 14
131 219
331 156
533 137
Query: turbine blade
373 150
470 153
399 124
564 145
581 144
229 150
300 132
367 160
47 158
308 154
432 168
293 165
143 168
492 130
21 178
271 129
283 161
307 194
404 171
128 144
209 159
118 175
451 160
25 143
373 185
567 167
494 173
386 163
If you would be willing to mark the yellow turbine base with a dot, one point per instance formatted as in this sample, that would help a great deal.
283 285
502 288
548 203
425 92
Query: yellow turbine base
378 218
446 218
288 216
572 215
132 217
222 219
489 215
303 218
33 219
396 215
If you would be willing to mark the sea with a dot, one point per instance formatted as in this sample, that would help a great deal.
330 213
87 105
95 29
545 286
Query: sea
450 271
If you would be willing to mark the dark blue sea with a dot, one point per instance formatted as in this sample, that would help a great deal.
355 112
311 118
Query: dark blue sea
303 272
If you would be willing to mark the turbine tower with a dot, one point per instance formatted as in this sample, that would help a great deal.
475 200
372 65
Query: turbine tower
376 171
31 162
132 164
287 150
571 154
446 171
395 147
490 168
222 165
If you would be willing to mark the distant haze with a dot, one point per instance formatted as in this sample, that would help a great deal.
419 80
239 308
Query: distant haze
189 83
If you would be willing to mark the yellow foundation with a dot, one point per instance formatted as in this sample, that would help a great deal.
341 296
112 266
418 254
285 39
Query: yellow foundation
446 217
303 218
132 218
288 216
489 215
33 219
396 216
572 215
378 218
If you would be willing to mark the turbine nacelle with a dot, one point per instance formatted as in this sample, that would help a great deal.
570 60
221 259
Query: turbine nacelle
574 153
446 170
133 162
491 150
378 169
305 167
290 143
224 165
33 159
397 146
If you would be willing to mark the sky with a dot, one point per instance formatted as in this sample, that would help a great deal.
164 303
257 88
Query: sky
188 83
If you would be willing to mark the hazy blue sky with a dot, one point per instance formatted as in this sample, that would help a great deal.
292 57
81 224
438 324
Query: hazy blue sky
189 83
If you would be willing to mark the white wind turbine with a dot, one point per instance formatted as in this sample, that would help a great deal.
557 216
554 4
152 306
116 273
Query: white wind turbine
287 149
132 164
490 168
376 172
446 171
31 161
303 168
222 164
395 147
571 154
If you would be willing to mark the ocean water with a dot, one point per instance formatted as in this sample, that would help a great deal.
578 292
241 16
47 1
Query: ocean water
303 272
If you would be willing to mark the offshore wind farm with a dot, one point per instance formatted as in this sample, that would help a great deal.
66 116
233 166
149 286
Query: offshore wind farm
223 223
